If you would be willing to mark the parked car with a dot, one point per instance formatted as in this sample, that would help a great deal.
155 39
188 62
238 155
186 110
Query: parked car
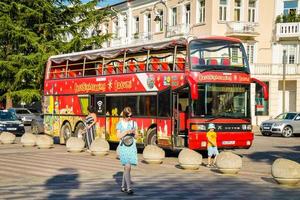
32 118
285 124
10 123
25 115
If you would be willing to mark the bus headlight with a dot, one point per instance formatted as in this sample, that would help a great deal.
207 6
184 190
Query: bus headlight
198 127
247 127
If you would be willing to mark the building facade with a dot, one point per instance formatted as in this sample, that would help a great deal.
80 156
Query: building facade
267 28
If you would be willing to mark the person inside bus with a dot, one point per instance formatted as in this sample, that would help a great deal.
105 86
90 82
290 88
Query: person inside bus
90 122
127 133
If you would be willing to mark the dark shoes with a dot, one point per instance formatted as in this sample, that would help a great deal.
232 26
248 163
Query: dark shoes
123 189
129 192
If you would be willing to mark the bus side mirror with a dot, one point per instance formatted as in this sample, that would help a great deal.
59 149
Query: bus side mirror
194 88
264 87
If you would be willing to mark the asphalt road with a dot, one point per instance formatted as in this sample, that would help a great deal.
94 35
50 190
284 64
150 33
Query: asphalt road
31 173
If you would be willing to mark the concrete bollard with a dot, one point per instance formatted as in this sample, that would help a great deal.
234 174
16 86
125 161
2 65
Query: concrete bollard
286 172
28 140
7 138
153 154
229 163
99 147
189 159
44 142
75 145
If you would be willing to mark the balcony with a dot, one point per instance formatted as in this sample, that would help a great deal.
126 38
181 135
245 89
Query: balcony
135 38
274 69
288 31
179 30
241 29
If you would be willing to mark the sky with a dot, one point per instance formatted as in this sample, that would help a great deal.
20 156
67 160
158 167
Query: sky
105 2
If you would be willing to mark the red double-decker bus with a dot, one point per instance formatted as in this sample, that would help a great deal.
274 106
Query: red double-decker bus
175 88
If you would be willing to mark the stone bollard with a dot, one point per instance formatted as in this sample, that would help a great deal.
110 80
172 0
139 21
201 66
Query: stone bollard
44 142
75 145
286 172
189 159
28 140
7 138
153 154
229 163
99 147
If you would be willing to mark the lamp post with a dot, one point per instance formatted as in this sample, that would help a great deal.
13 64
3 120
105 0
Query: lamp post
158 18
284 60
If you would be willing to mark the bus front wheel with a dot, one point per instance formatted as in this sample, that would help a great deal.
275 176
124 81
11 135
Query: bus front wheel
66 131
152 137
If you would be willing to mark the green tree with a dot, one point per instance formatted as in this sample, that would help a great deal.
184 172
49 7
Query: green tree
33 30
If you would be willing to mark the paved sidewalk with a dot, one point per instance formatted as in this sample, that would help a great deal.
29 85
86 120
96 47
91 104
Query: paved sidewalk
31 173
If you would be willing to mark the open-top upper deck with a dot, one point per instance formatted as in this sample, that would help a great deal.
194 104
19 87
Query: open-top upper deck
170 55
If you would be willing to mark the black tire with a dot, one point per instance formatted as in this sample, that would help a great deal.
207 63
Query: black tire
79 128
266 133
151 137
34 128
66 131
287 132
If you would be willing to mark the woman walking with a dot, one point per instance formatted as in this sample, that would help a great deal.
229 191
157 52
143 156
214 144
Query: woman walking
90 122
127 132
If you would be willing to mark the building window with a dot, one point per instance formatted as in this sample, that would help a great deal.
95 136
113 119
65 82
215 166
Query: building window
201 17
116 28
148 26
174 16
136 25
252 11
291 53
250 53
261 105
223 10
237 10
125 27
160 23
290 7
187 14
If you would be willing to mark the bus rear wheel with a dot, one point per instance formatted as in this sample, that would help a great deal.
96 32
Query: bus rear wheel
152 137
66 131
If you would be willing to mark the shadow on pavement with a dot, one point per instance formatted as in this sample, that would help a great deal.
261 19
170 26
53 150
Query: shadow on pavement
271 156
62 184
166 186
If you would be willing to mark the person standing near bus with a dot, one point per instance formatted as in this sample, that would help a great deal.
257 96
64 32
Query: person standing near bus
212 149
127 133
90 122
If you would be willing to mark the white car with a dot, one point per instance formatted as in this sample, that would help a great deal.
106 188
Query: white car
32 118
286 124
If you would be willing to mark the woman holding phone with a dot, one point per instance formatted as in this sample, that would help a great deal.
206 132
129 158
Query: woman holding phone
127 133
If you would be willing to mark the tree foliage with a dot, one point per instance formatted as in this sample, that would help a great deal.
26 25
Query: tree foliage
33 30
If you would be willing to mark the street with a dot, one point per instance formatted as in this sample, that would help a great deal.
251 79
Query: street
31 173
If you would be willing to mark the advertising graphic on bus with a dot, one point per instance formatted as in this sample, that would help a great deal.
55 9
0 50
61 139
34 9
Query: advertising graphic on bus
175 88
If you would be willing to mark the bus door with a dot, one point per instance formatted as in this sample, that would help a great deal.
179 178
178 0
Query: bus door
100 108
164 120
179 118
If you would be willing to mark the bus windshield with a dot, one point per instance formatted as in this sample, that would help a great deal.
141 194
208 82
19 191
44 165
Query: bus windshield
217 54
222 100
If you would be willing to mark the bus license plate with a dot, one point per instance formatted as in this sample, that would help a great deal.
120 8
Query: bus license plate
11 129
228 142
